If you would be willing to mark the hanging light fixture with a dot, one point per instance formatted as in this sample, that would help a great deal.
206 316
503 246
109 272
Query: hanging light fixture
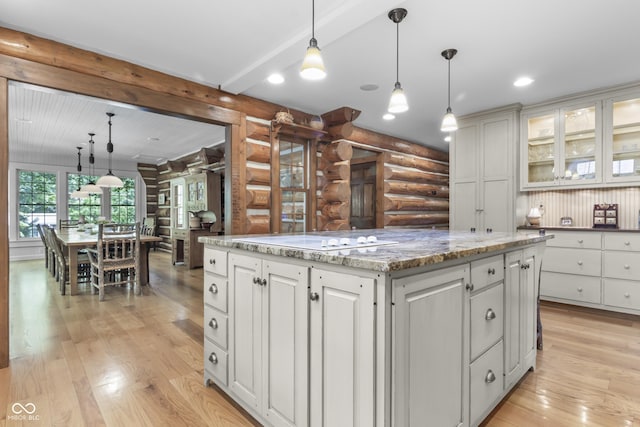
109 180
398 102
312 65
449 122
91 187
79 193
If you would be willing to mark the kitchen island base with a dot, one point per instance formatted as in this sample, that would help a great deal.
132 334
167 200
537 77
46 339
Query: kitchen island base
299 342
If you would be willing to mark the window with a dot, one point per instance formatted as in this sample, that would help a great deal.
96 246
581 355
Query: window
177 203
293 187
36 201
90 207
123 202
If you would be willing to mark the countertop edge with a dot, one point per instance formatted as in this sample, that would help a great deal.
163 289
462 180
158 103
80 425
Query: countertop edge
572 228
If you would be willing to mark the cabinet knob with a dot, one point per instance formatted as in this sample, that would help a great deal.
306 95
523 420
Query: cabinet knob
491 271
473 229
212 261
213 358
213 323
580 262
491 377
469 286
627 295
263 282
256 281
213 288
580 241
489 230
627 266
627 243
490 315
314 296
209 382
579 289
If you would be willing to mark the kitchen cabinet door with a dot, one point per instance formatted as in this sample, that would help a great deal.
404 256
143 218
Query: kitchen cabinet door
342 350
430 348
622 138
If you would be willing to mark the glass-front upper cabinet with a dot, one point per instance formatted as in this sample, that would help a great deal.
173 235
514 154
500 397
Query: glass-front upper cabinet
622 139
563 146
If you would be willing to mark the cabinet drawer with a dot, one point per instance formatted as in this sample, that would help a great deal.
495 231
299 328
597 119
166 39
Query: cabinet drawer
487 271
215 326
487 319
486 378
622 293
215 291
622 242
622 265
576 239
567 286
215 361
572 261
215 261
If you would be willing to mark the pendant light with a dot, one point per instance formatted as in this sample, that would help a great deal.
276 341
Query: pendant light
109 180
312 65
449 122
398 102
91 187
79 193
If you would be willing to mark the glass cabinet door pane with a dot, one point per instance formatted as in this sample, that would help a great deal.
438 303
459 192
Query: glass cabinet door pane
626 138
580 143
541 148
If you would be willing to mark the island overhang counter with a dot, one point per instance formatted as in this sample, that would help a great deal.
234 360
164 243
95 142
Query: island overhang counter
370 327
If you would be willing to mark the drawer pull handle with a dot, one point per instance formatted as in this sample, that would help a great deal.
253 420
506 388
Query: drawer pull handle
627 266
627 243
256 281
314 296
580 241
579 289
492 271
469 286
490 315
491 377
213 288
213 323
627 295
263 282
213 358
212 261
580 262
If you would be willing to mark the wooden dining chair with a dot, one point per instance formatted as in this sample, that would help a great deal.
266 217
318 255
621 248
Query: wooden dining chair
62 272
67 223
49 264
116 258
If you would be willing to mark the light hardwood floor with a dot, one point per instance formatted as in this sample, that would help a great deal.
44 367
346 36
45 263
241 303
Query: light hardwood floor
137 361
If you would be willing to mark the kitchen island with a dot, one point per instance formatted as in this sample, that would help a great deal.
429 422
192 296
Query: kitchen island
372 327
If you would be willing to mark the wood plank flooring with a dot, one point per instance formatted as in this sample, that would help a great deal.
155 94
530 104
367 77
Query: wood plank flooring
137 361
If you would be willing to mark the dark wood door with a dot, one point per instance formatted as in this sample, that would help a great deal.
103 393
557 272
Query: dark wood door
363 195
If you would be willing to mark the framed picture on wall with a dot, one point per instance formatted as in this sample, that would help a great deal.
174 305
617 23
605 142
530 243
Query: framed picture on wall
161 199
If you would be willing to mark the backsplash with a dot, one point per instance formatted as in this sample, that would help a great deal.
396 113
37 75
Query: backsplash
578 204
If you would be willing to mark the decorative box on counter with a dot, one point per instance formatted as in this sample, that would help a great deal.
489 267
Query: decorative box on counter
605 215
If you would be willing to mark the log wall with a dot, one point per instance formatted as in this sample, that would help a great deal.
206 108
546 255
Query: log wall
258 187
333 198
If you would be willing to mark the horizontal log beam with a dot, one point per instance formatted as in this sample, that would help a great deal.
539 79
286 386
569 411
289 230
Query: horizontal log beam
379 140
259 131
258 224
338 151
342 131
409 175
336 225
340 115
259 199
396 203
337 210
257 176
399 187
336 192
416 162
258 152
415 219
337 172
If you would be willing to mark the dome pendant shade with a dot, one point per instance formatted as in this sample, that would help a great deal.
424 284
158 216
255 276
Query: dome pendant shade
79 194
91 188
313 65
398 101
449 122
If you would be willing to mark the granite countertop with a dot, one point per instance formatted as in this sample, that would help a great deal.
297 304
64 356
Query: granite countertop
414 247
572 228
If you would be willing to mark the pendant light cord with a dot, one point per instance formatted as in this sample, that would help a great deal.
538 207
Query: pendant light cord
449 84
397 51
313 19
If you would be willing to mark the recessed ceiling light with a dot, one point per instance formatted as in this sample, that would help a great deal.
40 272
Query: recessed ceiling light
523 81
25 121
388 116
369 87
447 138
275 79
153 139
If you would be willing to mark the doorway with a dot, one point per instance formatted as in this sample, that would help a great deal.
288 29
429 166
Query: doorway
363 195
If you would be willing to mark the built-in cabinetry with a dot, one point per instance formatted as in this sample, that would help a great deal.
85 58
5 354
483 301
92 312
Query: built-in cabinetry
588 141
482 171
185 247
302 343
594 269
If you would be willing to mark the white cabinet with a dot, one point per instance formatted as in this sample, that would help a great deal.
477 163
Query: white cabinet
215 317
521 295
483 158
621 271
622 138
430 348
342 350
268 322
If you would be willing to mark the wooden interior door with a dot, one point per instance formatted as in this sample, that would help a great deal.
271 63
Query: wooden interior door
363 195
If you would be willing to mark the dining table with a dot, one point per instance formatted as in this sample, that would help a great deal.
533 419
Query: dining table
73 240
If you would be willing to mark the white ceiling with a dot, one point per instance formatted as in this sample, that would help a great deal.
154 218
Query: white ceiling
567 46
